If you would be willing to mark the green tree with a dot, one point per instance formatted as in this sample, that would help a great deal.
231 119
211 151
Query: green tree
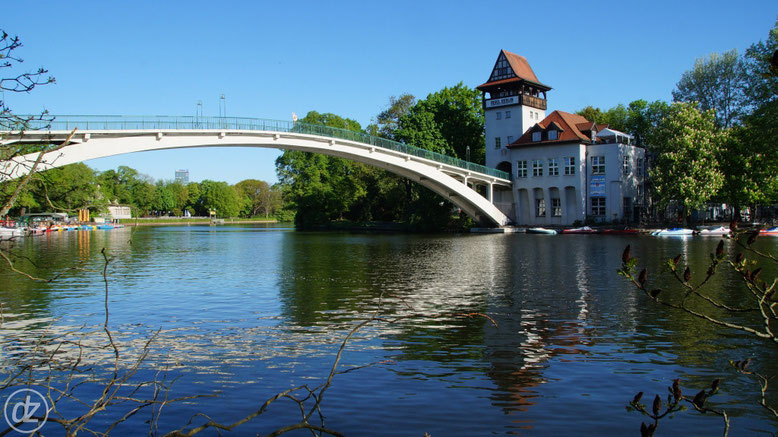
643 117
260 197
591 113
193 199
448 121
716 83
761 67
750 156
686 144
388 120
68 188
180 197
142 196
320 188
219 197
164 200
419 129
15 81
615 118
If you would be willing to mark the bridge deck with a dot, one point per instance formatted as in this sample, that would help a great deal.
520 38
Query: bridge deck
97 137
118 122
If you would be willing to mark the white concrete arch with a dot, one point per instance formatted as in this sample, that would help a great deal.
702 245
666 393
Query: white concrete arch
446 180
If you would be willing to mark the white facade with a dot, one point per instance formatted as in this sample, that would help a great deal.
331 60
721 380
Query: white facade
564 168
119 212
504 124
550 191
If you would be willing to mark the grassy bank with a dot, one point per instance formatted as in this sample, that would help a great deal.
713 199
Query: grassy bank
161 221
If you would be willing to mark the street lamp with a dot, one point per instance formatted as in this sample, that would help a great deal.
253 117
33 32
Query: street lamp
222 106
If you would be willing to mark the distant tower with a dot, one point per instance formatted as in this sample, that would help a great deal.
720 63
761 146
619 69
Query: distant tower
516 101
182 176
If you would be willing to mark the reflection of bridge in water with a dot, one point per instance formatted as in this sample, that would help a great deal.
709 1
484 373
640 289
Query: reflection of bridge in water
459 181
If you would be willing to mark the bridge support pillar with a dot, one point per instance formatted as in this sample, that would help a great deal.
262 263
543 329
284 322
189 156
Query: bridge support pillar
490 193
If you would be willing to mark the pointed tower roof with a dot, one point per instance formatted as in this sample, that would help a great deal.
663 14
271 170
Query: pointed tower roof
511 67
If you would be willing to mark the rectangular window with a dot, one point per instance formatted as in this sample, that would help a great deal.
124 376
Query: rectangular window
521 169
499 115
535 136
598 206
569 165
507 114
640 167
598 165
553 167
540 207
510 139
556 207
626 165
552 135
627 208
537 168
497 144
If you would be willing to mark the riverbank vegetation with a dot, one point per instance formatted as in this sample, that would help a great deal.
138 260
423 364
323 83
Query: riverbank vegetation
322 189
77 186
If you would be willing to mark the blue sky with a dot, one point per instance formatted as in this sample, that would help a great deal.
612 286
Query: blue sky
270 59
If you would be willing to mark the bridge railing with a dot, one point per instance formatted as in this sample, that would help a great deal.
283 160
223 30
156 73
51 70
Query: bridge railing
119 122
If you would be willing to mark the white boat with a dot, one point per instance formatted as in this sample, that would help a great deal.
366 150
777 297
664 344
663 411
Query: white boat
675 232
541 231
7 233
582 230
721 230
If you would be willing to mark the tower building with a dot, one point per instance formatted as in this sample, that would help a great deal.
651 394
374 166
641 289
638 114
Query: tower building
182 176
513 100
565 169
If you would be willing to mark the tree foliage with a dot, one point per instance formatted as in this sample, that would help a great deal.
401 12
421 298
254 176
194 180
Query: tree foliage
320 188
447 121
716 83
686 145
388 120
761 71
14 81
259 197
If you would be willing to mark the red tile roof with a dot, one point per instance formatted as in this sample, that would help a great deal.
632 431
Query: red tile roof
573 127
520 68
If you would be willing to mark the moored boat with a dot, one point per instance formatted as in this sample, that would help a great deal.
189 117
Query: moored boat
541 231
581 230
721 230
771 231
7 233
625 231
675 232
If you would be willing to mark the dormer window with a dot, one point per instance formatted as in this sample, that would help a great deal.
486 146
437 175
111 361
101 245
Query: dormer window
536 136
552 135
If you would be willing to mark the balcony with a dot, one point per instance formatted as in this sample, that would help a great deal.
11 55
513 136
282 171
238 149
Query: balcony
535 102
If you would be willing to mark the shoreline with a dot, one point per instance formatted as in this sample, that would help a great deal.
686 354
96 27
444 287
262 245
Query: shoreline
185 222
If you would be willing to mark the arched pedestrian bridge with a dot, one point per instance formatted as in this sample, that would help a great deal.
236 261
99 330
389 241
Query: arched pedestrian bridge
101 136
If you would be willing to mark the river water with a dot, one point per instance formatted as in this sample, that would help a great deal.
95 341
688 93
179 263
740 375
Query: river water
245 312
